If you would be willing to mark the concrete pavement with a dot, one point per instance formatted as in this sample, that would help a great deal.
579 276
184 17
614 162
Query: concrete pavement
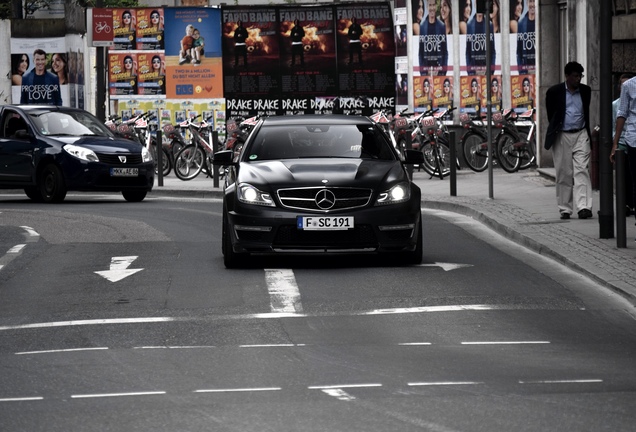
522 208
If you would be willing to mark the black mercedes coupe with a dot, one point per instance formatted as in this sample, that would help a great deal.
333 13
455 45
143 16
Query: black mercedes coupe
319 184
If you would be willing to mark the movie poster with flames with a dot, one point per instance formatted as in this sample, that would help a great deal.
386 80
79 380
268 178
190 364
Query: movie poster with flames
307 50
366 49
250 51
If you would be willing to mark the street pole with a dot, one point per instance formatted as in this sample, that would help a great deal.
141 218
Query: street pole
489 98
606 187
100 81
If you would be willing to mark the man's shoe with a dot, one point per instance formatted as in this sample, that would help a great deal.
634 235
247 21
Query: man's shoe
565 215
585 214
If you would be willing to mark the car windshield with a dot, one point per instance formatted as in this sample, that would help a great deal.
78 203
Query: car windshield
68 123
274 142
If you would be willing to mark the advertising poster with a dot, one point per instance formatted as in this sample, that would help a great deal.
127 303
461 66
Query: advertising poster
151 73
522 37
307 51
473 44
443 91
434 43
251 62
423 93
496 93
193 53
122 73
523 92
39 71
124 28
150 29
471 91
366 50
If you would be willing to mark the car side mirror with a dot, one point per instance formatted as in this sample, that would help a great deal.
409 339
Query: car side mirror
413 157
22 134
223 158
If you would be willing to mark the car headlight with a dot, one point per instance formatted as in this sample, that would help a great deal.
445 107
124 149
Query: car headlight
399 193
81 153
248 194
146 156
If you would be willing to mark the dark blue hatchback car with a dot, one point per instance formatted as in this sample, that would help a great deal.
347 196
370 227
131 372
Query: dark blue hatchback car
49 150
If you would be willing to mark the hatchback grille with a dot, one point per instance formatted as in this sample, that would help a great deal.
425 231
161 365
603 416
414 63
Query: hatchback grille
305 198
113 159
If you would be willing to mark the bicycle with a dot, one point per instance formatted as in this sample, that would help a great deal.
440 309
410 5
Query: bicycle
385 120
474 143
516 150
435 144
198 155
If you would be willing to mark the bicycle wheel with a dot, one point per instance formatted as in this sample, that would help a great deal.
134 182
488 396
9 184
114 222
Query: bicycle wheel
474 151
166 161
508 153
189 162
436 159
528 155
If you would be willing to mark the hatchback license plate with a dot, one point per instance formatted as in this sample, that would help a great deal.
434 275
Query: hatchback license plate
324 223
124 172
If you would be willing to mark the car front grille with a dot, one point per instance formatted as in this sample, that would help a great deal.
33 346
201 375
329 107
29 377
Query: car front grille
289 236
307 198
113 159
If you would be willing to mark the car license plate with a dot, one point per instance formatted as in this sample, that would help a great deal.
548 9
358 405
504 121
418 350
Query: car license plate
124 172
324 223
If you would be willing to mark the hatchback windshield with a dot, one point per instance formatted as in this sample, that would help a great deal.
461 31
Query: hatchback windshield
319 141
68 123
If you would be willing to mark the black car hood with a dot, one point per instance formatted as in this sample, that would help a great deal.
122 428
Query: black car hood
314 172
101 144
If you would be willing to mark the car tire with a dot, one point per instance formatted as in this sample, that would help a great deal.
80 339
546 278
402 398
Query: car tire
134 196
33 193
231 259
51 184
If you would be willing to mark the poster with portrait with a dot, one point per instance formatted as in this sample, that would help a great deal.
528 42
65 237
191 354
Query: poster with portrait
471 94
496 93
423 93
307 51
150 25
251 54
122 73
473 46
434 45
124 29
443 92
39 71
151 73
193 53
522 88
366 50
522 37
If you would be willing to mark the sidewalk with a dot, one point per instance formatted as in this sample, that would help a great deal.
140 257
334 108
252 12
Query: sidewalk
523 209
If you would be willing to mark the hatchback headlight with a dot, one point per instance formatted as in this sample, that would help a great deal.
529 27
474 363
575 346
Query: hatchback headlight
401 192
248 194
81 153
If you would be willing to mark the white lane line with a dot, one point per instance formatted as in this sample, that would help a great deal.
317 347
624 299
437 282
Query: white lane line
16 249
414 343
580 381
444 383
30 231
231 390
341 386
283 291
506 343
271 345
90 322
20 399
105 395
339 394
61 350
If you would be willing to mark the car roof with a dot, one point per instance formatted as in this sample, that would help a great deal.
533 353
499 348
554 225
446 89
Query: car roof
317 119
43 107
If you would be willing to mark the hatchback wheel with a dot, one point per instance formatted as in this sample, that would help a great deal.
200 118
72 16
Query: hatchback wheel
51 184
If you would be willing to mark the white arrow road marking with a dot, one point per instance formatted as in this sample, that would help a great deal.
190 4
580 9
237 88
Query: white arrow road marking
119 268
445 266
283 291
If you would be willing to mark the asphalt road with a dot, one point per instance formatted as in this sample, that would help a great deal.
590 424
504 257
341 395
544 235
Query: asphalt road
120 316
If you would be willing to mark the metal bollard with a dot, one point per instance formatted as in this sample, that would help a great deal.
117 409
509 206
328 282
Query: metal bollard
453 164
159 149
621 218
215 170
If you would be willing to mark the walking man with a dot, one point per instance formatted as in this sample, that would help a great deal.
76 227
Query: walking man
568 135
